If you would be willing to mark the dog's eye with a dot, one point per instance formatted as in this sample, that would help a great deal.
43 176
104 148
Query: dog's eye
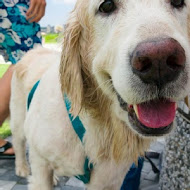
177 3
107 6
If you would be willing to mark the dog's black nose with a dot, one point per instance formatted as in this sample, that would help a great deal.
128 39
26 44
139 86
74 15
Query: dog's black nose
158 61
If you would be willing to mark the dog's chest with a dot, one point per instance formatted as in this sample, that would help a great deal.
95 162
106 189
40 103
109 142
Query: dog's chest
68 161
67 169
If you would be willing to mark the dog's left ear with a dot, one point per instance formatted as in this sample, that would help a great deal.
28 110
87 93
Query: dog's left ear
72 60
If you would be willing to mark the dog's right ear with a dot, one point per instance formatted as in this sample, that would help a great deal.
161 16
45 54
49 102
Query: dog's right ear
71 62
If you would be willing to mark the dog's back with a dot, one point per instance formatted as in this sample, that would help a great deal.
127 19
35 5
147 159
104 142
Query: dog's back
27 72
33 65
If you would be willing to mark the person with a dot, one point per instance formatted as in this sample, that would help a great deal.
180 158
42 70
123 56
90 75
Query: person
19 32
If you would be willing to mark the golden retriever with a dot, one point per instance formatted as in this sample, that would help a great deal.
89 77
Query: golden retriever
124 66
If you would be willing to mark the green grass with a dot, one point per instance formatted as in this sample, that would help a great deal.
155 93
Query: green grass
3 68
5 129
51 38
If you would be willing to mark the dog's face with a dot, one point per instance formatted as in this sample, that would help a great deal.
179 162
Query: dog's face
140 59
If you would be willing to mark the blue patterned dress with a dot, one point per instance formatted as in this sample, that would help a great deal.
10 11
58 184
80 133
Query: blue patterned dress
17 35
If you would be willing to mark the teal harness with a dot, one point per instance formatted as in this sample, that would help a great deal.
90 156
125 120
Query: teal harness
79 129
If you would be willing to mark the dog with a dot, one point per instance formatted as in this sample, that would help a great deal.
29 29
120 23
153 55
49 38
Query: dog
124 66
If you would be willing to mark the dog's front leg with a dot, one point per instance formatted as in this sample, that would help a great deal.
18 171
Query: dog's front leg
22 168
18 111
42 174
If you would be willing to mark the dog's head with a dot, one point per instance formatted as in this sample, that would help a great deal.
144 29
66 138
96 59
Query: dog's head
136 51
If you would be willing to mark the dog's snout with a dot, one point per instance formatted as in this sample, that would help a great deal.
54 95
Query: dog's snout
158 61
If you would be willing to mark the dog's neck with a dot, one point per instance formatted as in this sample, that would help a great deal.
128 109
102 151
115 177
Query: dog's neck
110 137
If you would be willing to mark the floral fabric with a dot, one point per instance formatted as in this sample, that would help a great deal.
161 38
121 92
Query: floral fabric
17 35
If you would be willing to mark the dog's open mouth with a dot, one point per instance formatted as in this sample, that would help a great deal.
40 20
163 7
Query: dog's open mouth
152 118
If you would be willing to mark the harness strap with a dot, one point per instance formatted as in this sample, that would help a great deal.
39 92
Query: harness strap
77 124
79 129
31 94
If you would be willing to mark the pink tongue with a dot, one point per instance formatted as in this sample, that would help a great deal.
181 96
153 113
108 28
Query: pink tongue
156 114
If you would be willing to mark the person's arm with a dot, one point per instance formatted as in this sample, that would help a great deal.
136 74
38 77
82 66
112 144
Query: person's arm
36 10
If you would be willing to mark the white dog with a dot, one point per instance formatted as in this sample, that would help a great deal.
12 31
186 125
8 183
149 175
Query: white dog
124 65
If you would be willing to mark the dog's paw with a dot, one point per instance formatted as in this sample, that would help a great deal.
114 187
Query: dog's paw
22 170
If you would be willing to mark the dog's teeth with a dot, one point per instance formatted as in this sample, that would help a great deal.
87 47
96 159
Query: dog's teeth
136 110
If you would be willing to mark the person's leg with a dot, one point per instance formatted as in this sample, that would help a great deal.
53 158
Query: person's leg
5 92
